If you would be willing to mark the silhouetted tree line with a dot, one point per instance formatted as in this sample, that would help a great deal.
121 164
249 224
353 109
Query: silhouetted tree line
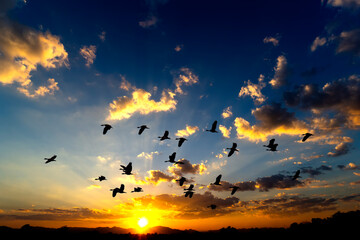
338 225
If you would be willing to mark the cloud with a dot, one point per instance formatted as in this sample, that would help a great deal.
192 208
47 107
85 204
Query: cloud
350 166
272 119
318 42
227 112
148 156
24 49
151 21
225 131
282 72
273 40
225 186
340 149
124 107
254 90
189 130
178 48
187 168
184 77
349 41
339 96
180 207
317 171
344 3
88 53
155 177
278 181
40 91
102 36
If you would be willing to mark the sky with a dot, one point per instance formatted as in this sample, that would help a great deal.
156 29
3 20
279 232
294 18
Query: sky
262 69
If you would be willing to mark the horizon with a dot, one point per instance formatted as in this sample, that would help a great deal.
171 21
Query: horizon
261 70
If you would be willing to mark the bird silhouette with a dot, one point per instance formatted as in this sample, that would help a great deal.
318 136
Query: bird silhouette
190 188
272 145
172 159
142 128
107 127
212 206
137 189
213 128
101 178
181 181
232 149
52 159
118 190
296 175
217 181
234 189
189 194
306 136
181 141
165 136
126 170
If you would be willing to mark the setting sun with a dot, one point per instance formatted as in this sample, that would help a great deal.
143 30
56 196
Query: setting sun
142 222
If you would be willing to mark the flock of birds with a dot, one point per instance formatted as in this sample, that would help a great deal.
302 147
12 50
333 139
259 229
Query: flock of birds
272 146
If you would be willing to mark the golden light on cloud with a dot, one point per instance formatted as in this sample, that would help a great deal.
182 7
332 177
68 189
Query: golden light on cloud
189 130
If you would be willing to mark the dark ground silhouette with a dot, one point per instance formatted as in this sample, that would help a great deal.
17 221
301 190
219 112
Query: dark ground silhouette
341 225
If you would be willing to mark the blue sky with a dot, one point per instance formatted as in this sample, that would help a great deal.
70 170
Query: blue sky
261 69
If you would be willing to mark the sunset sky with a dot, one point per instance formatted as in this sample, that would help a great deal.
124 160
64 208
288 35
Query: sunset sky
263 69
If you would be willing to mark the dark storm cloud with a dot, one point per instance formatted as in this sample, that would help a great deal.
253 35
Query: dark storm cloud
278 181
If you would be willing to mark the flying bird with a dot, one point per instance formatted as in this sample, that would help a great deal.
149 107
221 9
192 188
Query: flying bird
217 181
52 159
137 189
172 159
190 188
272 145
181 141
213 128
126 170
234 189
296 175
165 136
212 206
306 136
181 181
189 194
101 178
107 127
142 128
118 190
232 149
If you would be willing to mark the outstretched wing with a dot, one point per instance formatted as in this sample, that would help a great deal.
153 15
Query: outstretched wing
218 178
272 141
231 152
213 127
234 145
122 188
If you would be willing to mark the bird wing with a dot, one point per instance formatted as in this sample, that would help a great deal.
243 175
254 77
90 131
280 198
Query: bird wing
234 145
218 178
181 141
307 135
231 152
115 191
106 128
213 127
166 133
272 141
141 130
122 187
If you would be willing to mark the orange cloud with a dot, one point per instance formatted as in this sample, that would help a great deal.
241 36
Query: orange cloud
42 90
189 130
88 53
225 131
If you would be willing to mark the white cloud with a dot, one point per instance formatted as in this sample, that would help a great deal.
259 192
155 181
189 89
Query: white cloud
225 131
148 156
40 91
189 130
185 77
254 90
227 112
281 72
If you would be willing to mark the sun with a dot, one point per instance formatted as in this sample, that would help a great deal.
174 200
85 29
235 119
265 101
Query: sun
143 222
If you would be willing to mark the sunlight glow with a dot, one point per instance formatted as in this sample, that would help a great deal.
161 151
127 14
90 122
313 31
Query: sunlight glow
142 222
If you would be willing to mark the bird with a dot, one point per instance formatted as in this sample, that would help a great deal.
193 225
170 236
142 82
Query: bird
107 127
234 189
217 181
52 159
137 189
306 136
232 149
126 170
272 145
212 206
181 181
296 175
190 188
189 194
101 178
142 128
172 159
118 190
165 136
181 141
213 128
